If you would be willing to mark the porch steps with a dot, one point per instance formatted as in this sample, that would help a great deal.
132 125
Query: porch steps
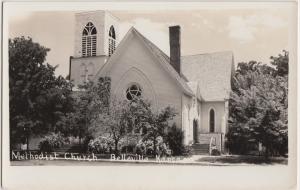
204 139
200 149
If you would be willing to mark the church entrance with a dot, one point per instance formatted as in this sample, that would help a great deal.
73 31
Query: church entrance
195 131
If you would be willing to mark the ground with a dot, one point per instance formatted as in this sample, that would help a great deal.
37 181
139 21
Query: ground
224 160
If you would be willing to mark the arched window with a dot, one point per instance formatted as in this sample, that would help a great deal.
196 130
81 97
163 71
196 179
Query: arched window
111 41
89 40
133 91
212 121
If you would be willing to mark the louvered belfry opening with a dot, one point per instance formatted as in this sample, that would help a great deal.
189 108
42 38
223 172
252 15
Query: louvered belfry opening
89 40
111 41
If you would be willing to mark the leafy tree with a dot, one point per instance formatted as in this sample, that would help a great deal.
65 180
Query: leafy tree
114 122
258 109
154 124
90 101
38 99
281 63
175 140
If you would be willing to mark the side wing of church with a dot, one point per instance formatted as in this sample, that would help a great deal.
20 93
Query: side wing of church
198 86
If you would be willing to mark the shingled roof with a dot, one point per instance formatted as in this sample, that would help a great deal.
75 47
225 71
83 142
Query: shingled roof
212 71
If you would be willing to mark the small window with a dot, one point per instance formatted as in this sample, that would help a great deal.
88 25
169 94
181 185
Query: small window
212 121
133 92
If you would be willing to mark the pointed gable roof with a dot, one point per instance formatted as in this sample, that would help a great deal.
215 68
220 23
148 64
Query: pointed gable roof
213 72
162 58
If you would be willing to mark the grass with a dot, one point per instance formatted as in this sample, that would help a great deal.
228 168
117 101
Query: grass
238 159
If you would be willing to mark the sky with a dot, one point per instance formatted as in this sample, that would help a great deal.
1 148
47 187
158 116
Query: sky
251 34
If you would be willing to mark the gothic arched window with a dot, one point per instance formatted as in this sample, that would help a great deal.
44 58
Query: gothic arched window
111 41
212 121
89 40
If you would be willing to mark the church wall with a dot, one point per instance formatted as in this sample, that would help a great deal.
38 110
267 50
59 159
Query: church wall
137 65
190 113
76 69
219 108
186 117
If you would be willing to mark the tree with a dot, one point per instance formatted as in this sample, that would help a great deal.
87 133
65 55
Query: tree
114 122
38 98
281 63
154 124
258 109
89 102
175 140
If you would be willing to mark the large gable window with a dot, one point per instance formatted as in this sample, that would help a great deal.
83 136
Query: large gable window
133 92
212 121
89 40
111 41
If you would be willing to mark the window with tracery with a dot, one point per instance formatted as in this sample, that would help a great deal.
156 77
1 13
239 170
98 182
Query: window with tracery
133 92
89 40
111 41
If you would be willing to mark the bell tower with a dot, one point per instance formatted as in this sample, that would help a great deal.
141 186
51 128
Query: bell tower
96 38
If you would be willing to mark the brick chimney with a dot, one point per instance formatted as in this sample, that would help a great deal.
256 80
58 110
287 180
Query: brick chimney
174 33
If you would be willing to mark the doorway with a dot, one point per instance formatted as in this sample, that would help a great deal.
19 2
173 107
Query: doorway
195 131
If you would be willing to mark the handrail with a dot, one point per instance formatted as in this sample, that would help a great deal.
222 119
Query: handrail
210 144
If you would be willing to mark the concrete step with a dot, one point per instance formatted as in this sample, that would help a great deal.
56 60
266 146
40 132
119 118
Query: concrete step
200 149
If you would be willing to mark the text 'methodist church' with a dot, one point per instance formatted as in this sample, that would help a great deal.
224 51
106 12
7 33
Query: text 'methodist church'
198 86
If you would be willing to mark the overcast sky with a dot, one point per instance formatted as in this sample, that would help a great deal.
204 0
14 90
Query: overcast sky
251 34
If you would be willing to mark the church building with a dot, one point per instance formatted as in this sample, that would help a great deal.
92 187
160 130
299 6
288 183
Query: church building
197 86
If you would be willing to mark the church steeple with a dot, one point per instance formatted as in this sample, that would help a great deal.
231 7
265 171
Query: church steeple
96 38
96 34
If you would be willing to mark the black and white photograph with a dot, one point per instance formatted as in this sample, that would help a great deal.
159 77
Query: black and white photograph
212 86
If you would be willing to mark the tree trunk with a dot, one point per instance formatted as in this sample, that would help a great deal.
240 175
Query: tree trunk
116 146
154 146
267 153
27 143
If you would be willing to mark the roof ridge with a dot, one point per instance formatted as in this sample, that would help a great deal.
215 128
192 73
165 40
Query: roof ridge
164 58
216 52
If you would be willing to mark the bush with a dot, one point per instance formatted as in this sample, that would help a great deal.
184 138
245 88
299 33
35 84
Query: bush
175 141
146 147
215 152
51 141
130 148
100 145
86 141
187 151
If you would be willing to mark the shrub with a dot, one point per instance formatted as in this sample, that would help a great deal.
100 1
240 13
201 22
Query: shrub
187 151
175 140
215 152
130 148
100 145
51 141
146 147
86 141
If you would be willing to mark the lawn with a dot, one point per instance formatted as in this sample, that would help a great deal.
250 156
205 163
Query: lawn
246 159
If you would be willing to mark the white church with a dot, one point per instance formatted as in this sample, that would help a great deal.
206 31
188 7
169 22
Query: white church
198 86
